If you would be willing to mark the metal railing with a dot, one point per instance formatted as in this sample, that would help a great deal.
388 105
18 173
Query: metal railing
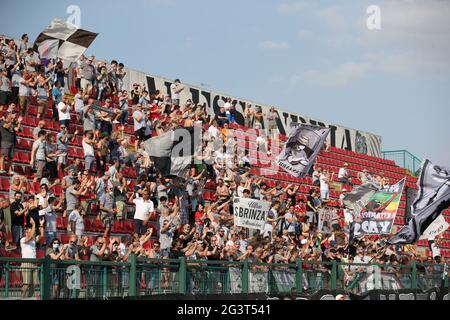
404 159
48 279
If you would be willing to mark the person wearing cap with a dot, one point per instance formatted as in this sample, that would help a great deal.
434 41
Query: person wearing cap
175 89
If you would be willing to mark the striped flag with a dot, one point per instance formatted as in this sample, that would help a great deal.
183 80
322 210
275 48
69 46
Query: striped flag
63 40
433 198
173 152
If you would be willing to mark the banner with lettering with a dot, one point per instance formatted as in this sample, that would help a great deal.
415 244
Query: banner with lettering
378 214
250 213
339 137
301 149
436 228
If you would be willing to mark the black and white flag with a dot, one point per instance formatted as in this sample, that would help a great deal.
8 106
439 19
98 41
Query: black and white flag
173 152
433 197
63 40
301 149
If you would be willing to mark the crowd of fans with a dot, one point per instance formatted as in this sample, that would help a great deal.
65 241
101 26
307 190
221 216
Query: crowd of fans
98 181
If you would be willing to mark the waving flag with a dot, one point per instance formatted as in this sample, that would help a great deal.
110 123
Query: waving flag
173 152
63 40
433 198
301 149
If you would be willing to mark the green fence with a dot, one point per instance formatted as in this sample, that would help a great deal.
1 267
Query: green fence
404 159
49 279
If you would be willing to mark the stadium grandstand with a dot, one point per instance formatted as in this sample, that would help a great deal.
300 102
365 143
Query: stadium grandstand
85 198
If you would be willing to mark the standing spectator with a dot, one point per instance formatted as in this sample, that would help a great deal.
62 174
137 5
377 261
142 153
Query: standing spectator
175 89
50 220
40 126
62 143
64 112
25 82
258 118
102 153
5 89
139 125
56 99
24 45
272 116
311 207
325 185
88 74
72 250
98 250
144 207
56 252
316 176
28 248
248 115
88 149
39 155
102 80
73 193
107 209
121 73
89 117
8 129
75 221
17 219
123 105
42 95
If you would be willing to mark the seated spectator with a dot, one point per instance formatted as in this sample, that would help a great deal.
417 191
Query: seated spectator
344 175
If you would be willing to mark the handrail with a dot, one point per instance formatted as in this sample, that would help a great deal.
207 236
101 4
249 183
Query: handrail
181 273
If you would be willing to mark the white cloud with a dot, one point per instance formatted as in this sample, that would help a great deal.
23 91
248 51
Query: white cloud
414 38
343 75
292 7
274 45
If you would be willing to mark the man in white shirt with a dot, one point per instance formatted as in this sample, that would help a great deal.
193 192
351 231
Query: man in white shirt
28 249
343 175
76 223
175 90
144 206
64 112
324 186
213 132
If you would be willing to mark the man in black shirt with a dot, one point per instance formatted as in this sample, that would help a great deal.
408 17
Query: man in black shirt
17 217
221 117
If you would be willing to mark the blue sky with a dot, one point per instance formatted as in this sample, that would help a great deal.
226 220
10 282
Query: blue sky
316 58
